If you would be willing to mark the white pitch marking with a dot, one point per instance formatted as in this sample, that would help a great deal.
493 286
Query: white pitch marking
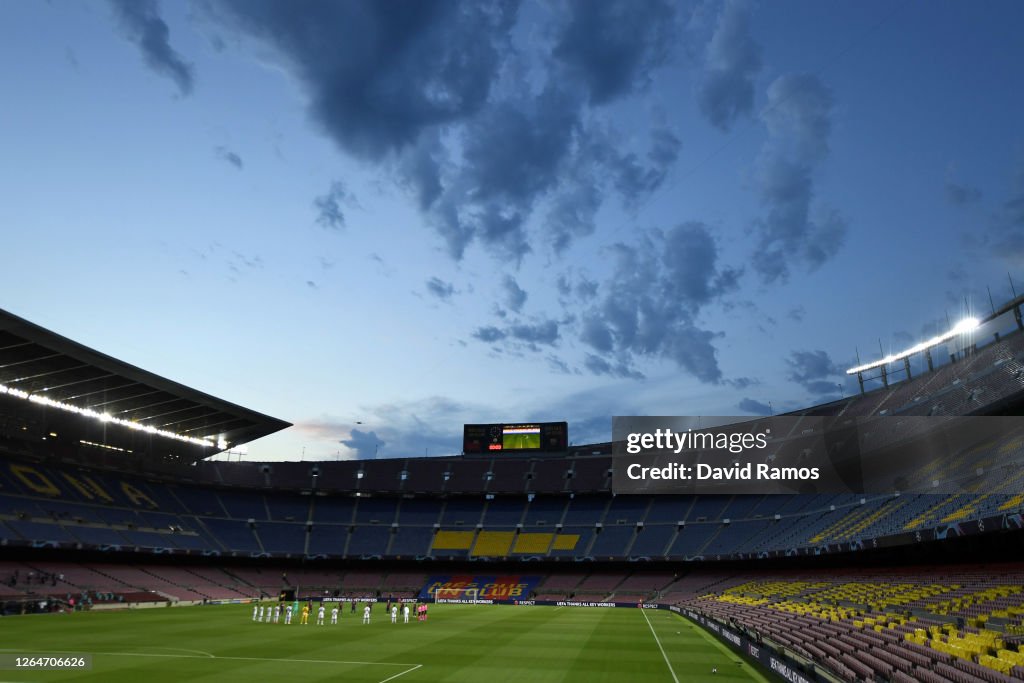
658 641
401 674
185 649
248 659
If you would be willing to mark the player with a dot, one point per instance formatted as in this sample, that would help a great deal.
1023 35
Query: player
366 614
714 669
261 614
255 610
353 610
304 619
405 613
394 614
320 615
277 613
288 615
334 615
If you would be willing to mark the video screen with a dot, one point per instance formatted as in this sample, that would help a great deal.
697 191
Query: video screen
520 437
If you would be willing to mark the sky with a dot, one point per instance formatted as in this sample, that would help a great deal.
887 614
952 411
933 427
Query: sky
380 221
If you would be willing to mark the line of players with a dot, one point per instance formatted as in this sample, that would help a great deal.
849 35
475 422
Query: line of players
272 614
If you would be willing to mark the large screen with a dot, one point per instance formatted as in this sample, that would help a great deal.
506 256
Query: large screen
520 437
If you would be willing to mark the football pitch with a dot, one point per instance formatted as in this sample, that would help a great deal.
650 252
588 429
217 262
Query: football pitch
460 643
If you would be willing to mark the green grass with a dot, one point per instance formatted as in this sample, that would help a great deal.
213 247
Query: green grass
460 643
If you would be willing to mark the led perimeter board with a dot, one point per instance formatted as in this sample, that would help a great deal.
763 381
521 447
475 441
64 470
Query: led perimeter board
516 438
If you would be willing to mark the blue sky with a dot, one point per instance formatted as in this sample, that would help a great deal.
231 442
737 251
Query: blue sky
380 221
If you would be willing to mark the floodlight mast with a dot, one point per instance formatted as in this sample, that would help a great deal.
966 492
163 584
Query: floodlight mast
967 326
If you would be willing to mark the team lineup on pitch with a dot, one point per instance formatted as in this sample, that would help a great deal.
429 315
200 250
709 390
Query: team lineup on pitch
273 613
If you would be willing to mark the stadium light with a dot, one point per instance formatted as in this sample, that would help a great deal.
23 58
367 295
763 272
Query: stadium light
963 327
104 417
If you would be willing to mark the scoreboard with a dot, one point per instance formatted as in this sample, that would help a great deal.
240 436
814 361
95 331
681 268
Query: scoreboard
519 438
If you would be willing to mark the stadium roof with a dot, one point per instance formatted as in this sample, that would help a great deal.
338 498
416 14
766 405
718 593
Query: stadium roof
86 389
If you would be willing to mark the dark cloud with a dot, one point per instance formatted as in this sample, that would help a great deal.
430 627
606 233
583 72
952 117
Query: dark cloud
733 62
798 119
367 445
440 289
814 371
634 179
228 156
596 165
558 365
599 366
515 297
613 45
143 25
1006 236
573 212
436 92
749 405
311 284
490 334
650 302
329 207
797 314
378 78
962 194
545 332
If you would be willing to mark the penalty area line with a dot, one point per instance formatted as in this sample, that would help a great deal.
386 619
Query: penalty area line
658 641
391 678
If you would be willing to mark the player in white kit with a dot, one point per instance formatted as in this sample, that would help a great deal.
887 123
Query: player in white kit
394 614
405 613
366 614
261 613
334 614
288 615
255 611
320 616
277 613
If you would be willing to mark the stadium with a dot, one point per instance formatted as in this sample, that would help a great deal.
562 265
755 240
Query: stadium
111 512
568 341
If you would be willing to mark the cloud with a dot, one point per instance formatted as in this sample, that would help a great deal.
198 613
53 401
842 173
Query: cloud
545 332
1006 235
797 314
650 303
599 366
814 371
366 445
749 405
378 79
798 119
440 289
328 207
598 164
228 156
559 365
733 61
479 131
515 297
613 46
962 194
489 334
143 25
959 194
399 429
